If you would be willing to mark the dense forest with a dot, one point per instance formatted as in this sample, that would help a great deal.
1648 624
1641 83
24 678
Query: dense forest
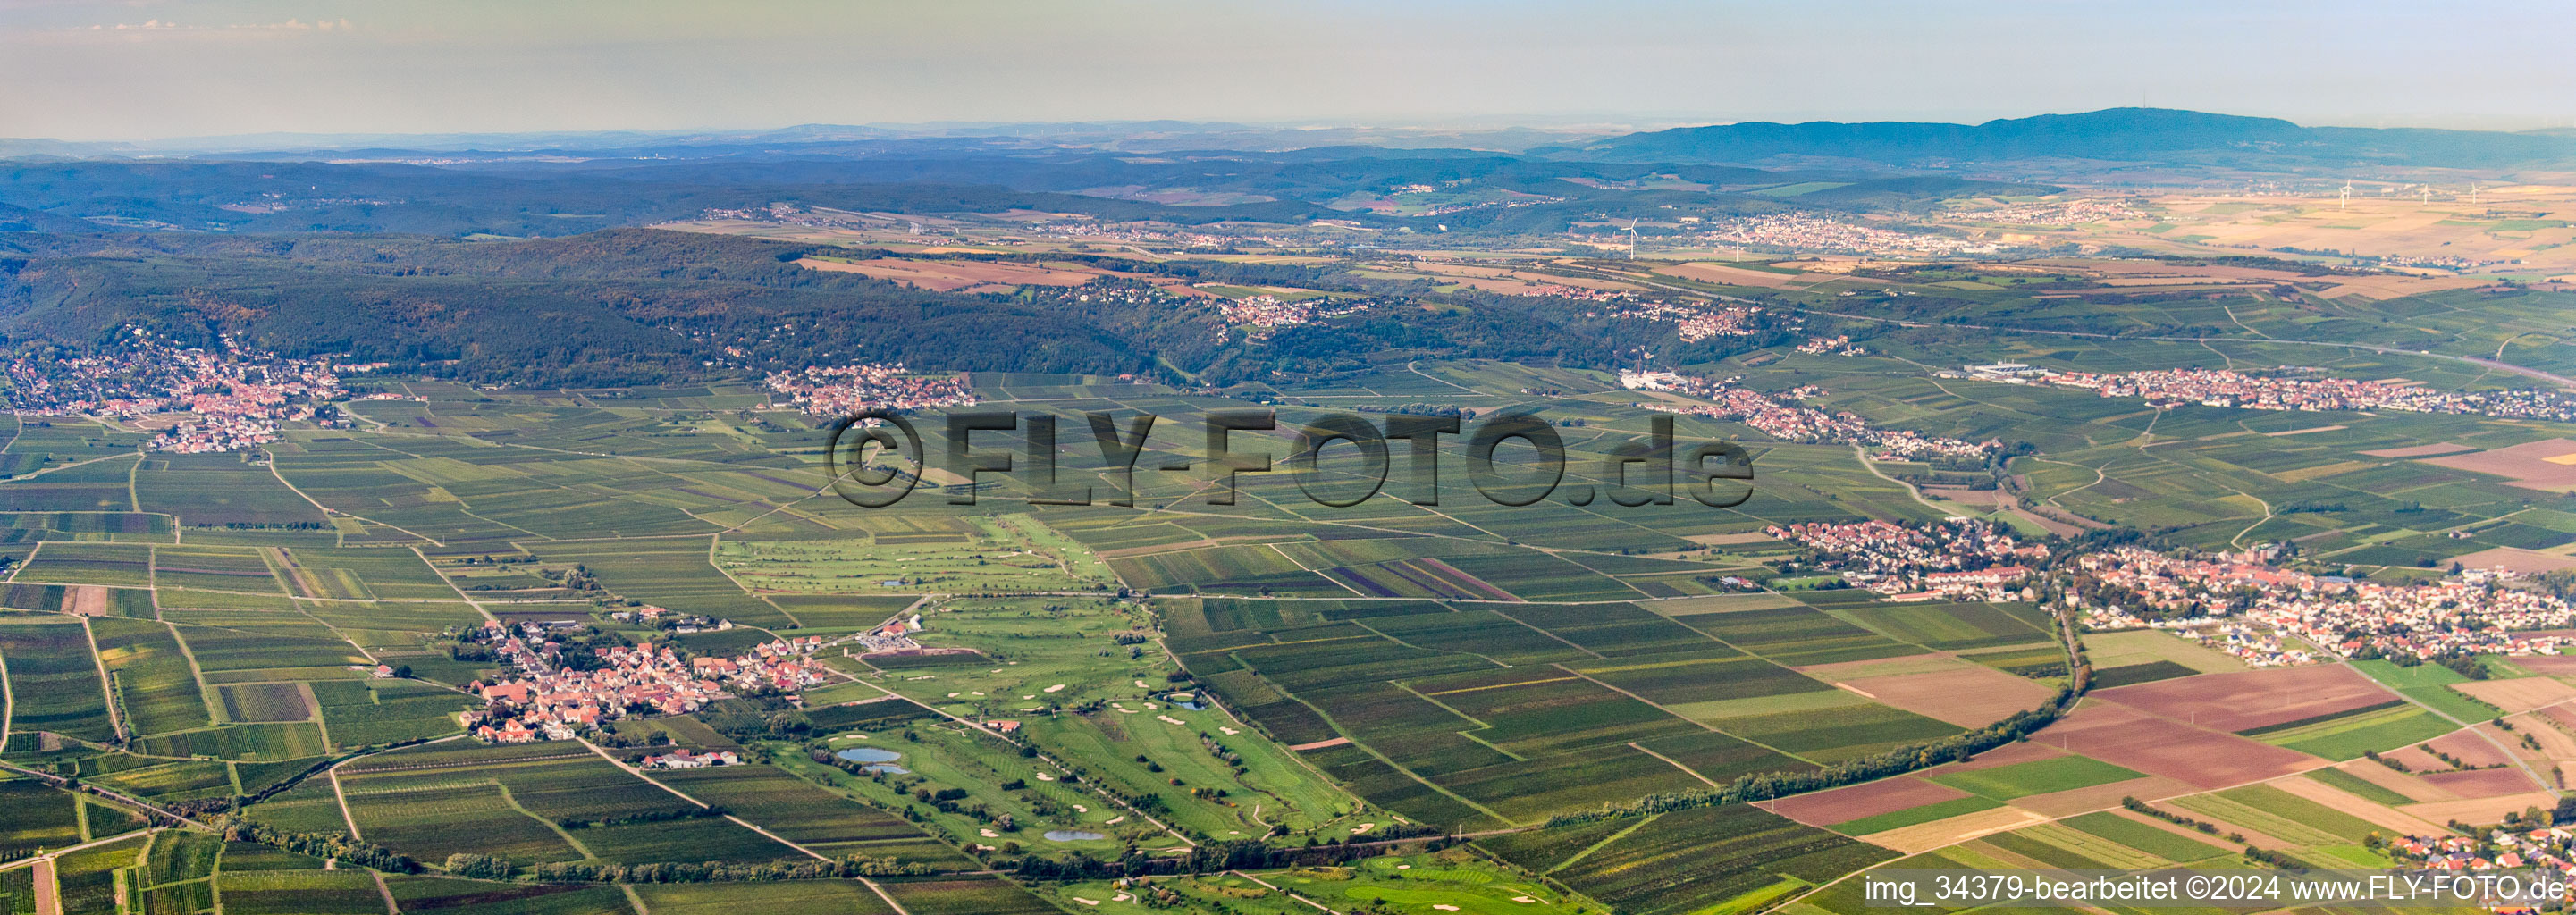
643 306
523 199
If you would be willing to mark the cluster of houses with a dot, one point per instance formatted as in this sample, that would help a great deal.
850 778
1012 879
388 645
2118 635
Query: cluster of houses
227 399
683 759
1575 293
2290 390
682 623
1957 559
784 664
1265 313
2551 847
844 390
1994 583
1791 423
894 636
2069 213
2254 645
1838 344
1809 232
2243 604
542 700
1695 322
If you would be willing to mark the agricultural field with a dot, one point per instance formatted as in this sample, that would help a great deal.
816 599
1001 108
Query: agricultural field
1733 856
55 682
1397 882
1005 553
848 896
534 804
149 676
1189 673
41 817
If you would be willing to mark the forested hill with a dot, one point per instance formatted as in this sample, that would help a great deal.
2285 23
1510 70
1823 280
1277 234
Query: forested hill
630 307
2126 134
323 197
537 200
643 306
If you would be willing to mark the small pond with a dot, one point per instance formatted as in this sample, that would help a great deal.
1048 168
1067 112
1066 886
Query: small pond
1072 835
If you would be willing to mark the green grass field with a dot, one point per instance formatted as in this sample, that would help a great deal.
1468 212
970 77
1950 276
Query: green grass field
2064 773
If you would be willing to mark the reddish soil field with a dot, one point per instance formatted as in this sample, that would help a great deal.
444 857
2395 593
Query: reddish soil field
2199 757
2420 450
2415 760
2518 561
2520 694
2467 748
1843 805
2484 782
948 276
1971 697
1737 276
2564 715
2553 665
2529 464
2479 810
2235 702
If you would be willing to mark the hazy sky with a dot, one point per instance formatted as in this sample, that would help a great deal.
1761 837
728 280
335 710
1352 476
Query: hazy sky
145 69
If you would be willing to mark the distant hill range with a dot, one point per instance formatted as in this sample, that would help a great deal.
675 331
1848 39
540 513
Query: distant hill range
2117 134
2135 135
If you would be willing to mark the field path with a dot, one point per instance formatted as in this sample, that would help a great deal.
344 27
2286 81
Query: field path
328 511
881 894
1661 708
342 798
106 684
97 790
1283 554
713 541
1414 368
38 473
8 702
634 899
214 701
2546 784
1275 888
1862 455
386 891
675 792
559 829
1676 764
451 585
49 900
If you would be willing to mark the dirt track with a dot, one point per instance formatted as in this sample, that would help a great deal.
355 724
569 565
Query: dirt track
48 897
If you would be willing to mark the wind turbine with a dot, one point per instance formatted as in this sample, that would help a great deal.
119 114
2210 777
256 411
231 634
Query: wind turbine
2344 196
1632 238
2427 191
2473 193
